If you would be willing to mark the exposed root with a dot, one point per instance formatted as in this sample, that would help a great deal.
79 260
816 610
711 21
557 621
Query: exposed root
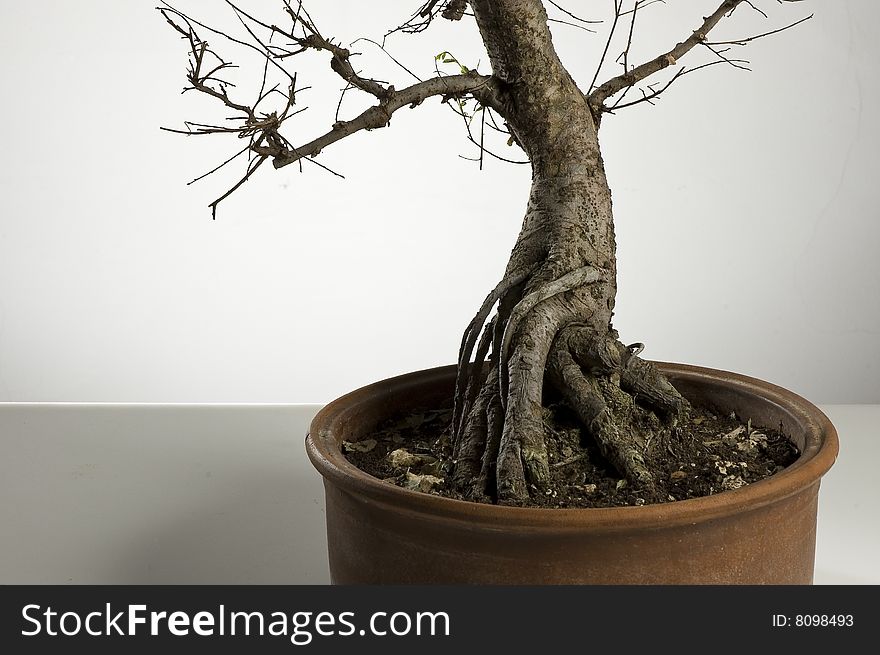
501 451
647 384
476 377
469 339
486 484
522 453
603 408
573 280
601 380
605 355
472 446
476 451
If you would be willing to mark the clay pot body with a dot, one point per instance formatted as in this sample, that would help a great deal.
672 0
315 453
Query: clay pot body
763 533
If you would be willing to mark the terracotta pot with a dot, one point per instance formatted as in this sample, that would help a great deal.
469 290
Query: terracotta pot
763 533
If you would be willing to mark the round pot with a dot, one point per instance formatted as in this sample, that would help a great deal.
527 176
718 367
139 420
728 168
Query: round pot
763 533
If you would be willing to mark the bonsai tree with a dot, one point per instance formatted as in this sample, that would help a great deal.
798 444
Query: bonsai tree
548 321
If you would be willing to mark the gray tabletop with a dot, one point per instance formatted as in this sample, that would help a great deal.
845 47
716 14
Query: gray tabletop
224 494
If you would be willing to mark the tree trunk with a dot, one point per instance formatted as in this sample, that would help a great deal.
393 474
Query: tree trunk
556 299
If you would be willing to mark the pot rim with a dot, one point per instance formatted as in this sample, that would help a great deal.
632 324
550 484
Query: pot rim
817 456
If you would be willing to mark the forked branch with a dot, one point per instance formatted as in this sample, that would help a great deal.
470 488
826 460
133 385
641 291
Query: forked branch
260 128
276 45
629 78
379 115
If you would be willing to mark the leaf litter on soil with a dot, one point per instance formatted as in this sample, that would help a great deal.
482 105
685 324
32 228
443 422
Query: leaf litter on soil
716 453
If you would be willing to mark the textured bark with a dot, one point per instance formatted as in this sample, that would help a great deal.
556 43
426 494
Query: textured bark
554 320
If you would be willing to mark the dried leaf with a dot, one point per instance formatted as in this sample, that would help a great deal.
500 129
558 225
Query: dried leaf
732 482
733 437
364 446
424 483
403 459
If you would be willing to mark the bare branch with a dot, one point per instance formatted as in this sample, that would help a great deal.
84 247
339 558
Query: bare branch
481 143
313 39
753 6
482 136
388 54
646 97
217 168
379 115
655 93
618 5
570 24
598 96
496 156
629 39
251 170
571 15
642 4
255 126
262 129
736 63
760 36
191 21
630 78
624 56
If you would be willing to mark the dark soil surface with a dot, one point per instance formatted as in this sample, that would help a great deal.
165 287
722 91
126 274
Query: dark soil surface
715 453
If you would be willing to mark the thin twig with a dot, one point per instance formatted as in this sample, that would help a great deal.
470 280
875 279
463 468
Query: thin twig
217 168
382 48
655 93
760 36
570 24
251 171
642 5
736 63
618 5
571 15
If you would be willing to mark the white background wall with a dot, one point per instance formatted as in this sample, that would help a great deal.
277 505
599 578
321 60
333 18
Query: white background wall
746 207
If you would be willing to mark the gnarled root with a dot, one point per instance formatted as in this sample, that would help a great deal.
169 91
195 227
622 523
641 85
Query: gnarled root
500 449
601 379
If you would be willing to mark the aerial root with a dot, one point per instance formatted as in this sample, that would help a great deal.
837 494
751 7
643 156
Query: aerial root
568 282
469 340
486 484
471 446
